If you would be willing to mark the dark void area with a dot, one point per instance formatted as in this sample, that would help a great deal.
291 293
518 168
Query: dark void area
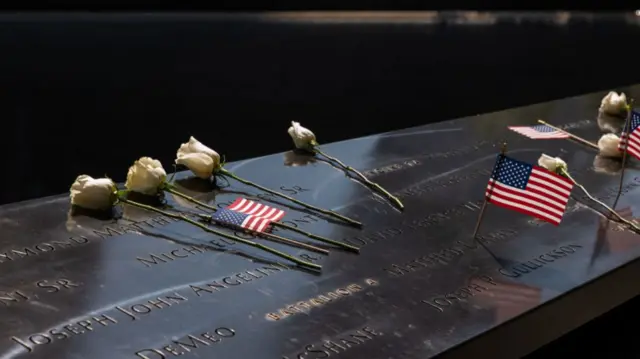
92 93
608 336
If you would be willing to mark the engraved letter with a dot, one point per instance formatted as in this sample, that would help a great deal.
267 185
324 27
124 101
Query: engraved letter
16 296
435 303
332 346
133 317
104 318
154 260
156 354
19 341
322 353
109 232
193 343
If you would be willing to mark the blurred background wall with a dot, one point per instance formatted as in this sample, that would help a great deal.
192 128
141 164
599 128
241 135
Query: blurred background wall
83 93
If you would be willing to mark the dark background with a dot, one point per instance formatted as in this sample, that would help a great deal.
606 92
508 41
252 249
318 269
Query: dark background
90 93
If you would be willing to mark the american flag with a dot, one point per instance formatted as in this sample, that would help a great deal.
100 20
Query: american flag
237 219
528 189
539 132
634 138
243 205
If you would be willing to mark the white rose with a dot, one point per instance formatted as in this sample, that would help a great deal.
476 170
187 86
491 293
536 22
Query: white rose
195 146
302 137
199 163
93 193
613 103
608 145
553 164
146 176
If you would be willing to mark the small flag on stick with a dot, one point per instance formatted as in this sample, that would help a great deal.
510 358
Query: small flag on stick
631 135
539 132
528 189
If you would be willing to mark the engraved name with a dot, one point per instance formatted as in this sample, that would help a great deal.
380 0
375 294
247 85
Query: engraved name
418 189
86 325
456 152
188 344
183 252
612 192
8 298
337 345
427 186
372 236
9 255
577 124
307 305
445 256
523 268
391 168
119 229
139 310
444 301
135 311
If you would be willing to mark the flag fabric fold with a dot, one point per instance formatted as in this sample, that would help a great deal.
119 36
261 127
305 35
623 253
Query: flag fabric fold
248 214
528 189
633 137
237 219
539 132
243 205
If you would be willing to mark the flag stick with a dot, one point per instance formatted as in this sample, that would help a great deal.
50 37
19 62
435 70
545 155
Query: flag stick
503 151
572 136
627 126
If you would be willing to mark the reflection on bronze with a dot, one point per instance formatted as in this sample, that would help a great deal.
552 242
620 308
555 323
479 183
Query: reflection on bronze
616 237
195 185
296 158
507 299
610 123
607 165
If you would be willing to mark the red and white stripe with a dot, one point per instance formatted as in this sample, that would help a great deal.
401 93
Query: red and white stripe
256 209
634 143
545 195
257 224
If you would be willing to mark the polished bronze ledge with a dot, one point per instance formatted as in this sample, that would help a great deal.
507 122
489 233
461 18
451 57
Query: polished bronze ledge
131 285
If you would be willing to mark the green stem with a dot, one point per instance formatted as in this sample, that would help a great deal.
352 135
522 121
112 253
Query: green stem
362 177
349 247
631 224
324 211
221 234
319 238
